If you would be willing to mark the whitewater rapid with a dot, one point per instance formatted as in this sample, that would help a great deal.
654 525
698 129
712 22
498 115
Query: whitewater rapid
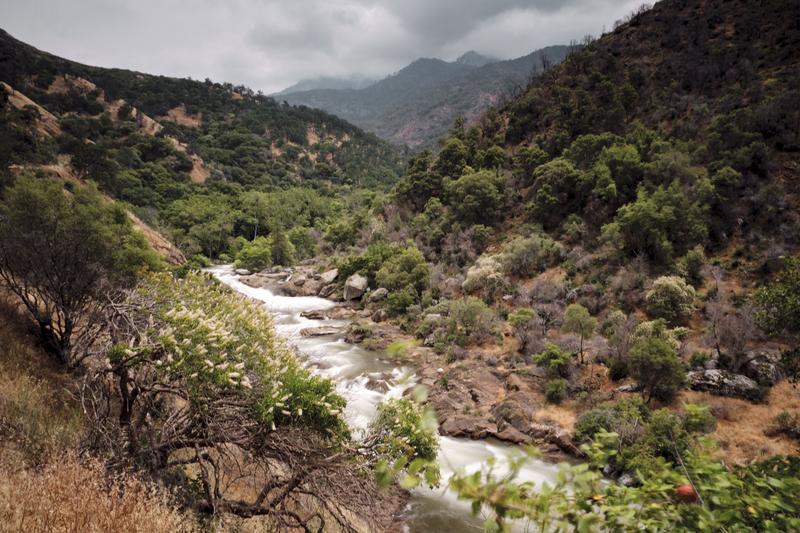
365 378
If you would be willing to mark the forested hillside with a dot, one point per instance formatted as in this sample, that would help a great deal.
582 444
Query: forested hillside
416 105
188 156
605 268
628 224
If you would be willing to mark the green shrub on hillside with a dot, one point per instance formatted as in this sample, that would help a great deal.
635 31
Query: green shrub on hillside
255 255
670 298
526 257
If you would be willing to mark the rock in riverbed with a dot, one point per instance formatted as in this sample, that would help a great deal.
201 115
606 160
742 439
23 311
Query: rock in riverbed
354 287
320 331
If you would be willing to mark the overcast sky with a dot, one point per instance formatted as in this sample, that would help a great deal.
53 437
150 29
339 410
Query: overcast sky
271 44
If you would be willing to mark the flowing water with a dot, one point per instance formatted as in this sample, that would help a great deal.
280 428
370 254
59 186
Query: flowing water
365 378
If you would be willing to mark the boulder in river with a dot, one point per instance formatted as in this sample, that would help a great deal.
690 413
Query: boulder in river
354 287
319 331
723 383
473 427
513 435
242 272
327 290
329 276
315 314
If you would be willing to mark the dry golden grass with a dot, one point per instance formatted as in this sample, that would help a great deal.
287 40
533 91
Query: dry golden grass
741 425
44 487
74 496
39 414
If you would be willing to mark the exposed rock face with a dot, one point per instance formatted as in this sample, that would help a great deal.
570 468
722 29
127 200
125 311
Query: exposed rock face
473 427
516 411
723 383
378 294
354 287
764 366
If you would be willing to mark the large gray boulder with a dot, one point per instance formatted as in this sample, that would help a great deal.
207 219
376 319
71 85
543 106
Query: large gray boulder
764 366
329 276
723 383
354 287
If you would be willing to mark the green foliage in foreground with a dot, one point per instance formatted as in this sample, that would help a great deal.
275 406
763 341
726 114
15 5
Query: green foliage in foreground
761 497
213 341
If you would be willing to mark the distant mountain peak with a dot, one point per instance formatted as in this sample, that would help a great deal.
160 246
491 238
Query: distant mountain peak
328 82
474 59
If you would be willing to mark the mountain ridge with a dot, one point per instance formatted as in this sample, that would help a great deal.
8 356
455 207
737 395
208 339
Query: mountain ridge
416 105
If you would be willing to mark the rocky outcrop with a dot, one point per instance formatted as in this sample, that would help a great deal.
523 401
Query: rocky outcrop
764 366
473 427
723 383
354 287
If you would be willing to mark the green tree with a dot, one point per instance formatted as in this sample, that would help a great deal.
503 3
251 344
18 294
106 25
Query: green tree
526 160
419 184
780 312
282 248
476 198
656 368
662 223
557 191
577 320
255 255
452 159
62 255
407 269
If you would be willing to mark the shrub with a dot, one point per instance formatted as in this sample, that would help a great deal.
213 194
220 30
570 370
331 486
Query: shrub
470 321
255 255
405 270
670 298
698 359
527 327
527 256
555 361
626 418
786 423
398 302
485 279
698 419
555 390
691 265
618 369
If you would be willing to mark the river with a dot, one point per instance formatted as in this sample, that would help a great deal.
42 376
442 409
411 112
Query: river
352 368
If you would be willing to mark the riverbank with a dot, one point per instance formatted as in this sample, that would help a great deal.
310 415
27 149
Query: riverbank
477 396
367 377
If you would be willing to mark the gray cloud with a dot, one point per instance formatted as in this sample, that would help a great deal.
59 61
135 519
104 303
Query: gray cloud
270 44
